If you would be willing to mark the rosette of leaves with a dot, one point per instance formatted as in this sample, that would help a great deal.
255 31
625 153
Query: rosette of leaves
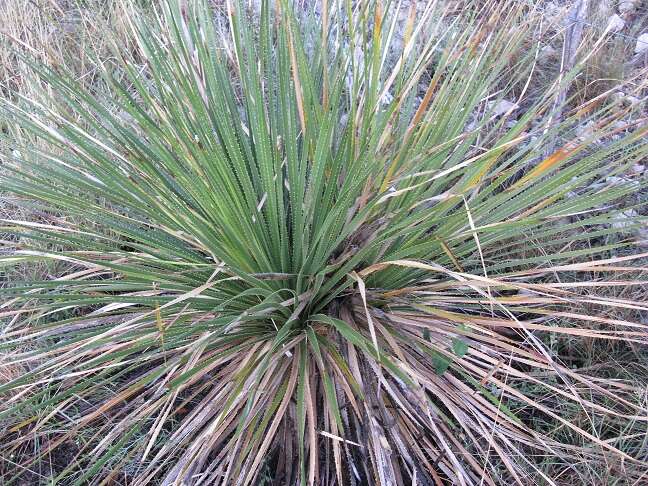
305 248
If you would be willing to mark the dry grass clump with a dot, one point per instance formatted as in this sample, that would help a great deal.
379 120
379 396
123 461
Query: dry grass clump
61 34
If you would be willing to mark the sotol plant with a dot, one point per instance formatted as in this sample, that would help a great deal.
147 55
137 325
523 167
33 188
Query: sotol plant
312 247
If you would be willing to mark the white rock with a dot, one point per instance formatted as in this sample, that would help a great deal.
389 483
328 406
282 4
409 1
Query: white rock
627 6
625 100
501 107
614 180
615 23
546 53
642 236
642 43
625 219
585 132
386 99
511 123
638 169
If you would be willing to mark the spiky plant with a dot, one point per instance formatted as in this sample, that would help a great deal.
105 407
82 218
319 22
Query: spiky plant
312 247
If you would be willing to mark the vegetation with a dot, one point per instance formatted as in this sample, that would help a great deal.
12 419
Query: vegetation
304 247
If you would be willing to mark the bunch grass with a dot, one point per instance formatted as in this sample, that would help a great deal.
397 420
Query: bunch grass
307 244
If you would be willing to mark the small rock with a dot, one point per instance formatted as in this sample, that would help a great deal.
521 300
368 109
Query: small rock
511 123
501 107
585 132
625 99
624 181
615 23
642 236
638 169
625 219
546 53
386 99
627 6
615 181
642 43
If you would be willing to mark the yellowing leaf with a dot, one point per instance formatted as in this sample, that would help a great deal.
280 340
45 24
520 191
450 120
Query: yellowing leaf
409 26
554 159
378 18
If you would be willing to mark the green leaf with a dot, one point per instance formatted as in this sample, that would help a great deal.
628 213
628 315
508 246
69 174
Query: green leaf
459 347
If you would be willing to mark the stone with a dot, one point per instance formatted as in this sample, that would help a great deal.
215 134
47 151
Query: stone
625 99
627 6
501 107
625 219
585 132
546 53
642 235
616 23
642 43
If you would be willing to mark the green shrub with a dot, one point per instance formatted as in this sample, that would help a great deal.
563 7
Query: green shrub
313 247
